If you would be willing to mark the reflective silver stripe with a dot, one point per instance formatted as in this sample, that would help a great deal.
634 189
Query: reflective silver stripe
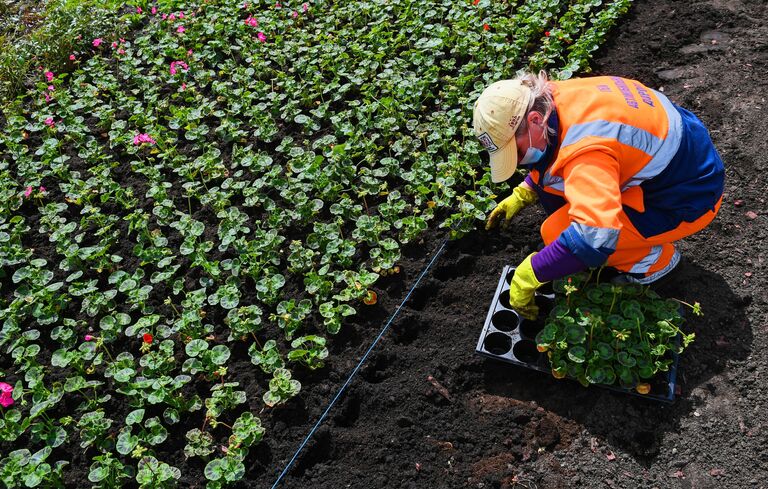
648 260
661 150
668 149
597 237
556 183
657 275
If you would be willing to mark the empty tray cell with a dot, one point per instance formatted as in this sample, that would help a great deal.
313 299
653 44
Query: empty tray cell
525 351
505 320
497 343
510 274
530 329
504 299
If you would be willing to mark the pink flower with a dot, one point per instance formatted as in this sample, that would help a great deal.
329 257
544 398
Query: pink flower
181 15
261 37
251 21
172 17
165 16
28 192
138 10
42 189
89 337
49 76
48 98
180 64
122 40
143 138
97 42
183 86
114 44
49 122
6 394
121 51
71 57
153 10
51 87
180 29
304 7
294 14
189 52
245 5
277 5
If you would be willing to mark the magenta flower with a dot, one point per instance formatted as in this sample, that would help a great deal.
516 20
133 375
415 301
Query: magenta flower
245 5
121 51
180 29
189 52
71 57
49 76
42 189
97 42
180 64
89 337
28 192
114 44
48 97
251 21
143 138
153 10
165 16
49 122
181 15
277 5
261 37
51 88
6 394
304 7
183 86
172 17
138 10
294 14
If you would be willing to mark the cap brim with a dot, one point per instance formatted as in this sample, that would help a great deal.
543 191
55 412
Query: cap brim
504 162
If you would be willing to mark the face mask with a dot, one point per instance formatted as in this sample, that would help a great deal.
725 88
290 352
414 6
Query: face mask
533 155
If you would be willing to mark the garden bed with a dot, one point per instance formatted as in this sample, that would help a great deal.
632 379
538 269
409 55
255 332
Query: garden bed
424 410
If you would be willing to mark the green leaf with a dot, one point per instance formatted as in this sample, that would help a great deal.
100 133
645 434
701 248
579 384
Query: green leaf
196 347
577 354
134 417
219 354
575 334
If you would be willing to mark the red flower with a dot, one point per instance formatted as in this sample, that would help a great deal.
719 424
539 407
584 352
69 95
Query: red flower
486 27
147 338
546 33
475 2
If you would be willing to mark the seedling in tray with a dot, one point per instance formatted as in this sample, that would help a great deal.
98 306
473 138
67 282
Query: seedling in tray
623 337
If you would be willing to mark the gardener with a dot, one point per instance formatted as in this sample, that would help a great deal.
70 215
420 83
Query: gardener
621 171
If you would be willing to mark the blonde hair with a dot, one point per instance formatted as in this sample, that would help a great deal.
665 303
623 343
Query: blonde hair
541 100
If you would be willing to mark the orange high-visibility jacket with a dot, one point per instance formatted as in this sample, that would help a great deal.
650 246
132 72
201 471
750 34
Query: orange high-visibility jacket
622 146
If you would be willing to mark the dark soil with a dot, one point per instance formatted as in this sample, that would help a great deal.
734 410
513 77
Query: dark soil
481 423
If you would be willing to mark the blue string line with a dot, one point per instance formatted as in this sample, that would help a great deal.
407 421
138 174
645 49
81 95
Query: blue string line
362 360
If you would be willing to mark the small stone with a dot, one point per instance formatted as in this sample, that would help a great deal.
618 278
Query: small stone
751 215
738 202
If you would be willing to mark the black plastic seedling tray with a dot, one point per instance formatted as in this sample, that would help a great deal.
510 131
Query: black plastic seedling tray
508 337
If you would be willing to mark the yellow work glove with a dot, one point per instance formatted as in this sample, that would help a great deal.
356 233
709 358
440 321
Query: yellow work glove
523 288
507 208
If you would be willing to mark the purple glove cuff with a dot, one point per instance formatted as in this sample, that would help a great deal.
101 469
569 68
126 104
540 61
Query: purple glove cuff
530 181
555 261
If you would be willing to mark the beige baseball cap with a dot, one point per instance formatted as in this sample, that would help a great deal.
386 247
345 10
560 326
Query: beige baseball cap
498 113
